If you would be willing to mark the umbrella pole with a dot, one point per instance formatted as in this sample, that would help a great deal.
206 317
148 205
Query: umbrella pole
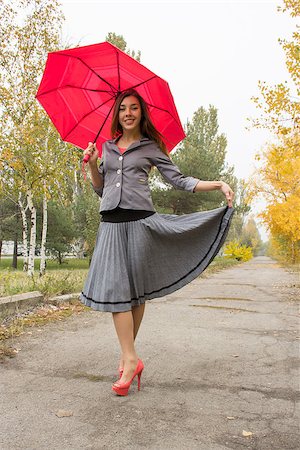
87 157
104 122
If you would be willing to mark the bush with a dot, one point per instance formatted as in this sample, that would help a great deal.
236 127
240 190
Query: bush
234 250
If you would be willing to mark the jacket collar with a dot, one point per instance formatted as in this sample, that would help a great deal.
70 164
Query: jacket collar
113 144
114 141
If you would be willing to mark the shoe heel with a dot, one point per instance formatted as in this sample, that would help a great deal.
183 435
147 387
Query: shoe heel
139 380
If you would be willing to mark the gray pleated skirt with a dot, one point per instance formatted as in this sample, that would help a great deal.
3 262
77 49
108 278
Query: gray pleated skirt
150 258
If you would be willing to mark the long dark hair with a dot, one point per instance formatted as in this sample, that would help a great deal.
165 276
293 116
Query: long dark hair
147 128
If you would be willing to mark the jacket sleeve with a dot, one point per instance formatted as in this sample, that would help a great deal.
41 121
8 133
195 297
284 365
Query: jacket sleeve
172 174
99 191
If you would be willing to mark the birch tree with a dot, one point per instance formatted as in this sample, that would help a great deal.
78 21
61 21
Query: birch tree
30 29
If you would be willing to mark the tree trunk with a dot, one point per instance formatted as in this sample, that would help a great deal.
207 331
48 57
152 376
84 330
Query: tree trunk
293 253
24 232
32 243
44 234
1 243
15 255
77 189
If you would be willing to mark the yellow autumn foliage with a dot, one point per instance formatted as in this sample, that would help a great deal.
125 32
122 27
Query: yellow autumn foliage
278 182
284 218
234 250
279 104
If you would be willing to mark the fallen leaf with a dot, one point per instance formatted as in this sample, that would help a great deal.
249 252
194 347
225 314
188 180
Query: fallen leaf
63 413
247 433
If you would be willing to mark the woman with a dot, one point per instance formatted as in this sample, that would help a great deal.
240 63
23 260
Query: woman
140 254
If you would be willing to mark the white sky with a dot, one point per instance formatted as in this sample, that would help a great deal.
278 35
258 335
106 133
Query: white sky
210 52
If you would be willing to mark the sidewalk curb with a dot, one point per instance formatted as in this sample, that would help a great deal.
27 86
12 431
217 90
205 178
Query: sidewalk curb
18 303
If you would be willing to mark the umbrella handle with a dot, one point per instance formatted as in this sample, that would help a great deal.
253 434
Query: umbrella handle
86 158
84 162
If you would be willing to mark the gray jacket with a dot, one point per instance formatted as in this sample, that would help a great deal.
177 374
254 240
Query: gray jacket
125 177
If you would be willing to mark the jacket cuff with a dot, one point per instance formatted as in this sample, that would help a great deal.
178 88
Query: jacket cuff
192 184
99 190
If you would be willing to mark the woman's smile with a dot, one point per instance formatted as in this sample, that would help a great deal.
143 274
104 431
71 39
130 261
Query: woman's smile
130 113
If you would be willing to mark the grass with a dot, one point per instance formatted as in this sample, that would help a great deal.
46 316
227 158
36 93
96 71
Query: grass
58 280
293 268
219 263
70 263
55 282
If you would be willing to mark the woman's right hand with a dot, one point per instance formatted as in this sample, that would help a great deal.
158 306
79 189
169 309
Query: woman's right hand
93 152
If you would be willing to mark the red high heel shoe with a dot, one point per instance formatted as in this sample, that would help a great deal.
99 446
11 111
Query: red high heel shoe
123 388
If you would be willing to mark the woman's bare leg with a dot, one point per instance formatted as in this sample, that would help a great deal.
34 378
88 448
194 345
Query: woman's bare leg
137 314
124 325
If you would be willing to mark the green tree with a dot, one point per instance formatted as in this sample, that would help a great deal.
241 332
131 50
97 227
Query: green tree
202 155
10 226
61 231
242 208
250 235
86 216
119 41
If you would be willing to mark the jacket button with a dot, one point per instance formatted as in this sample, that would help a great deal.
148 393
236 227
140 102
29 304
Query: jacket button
120 158
118 184
118 171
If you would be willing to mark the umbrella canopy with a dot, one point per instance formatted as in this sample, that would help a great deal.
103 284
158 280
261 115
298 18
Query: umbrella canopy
80 86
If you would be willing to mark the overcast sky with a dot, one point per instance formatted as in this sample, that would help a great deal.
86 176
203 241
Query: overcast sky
210 52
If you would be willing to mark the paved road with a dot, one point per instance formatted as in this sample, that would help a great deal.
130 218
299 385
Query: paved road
220 359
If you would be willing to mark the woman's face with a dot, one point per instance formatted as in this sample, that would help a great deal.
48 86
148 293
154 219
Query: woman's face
130 114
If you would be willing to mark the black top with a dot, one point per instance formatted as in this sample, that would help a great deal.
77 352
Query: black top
125 215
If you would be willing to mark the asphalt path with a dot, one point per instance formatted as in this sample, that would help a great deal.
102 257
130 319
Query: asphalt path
221 372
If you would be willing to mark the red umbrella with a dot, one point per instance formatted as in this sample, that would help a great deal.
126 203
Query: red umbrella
80 86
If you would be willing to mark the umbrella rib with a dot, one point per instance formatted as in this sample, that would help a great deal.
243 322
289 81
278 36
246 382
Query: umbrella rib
165 110
85 64
70 131
143 82
118 66
103 123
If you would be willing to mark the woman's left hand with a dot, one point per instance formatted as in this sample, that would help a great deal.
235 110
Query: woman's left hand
228 192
